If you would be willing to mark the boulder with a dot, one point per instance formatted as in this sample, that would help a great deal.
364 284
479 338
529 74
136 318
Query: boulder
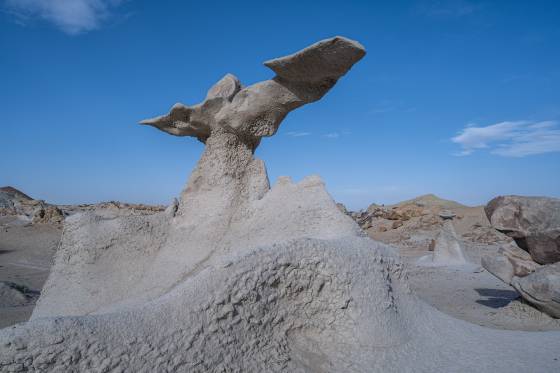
541 288
533 222
499 266
508 262
396 224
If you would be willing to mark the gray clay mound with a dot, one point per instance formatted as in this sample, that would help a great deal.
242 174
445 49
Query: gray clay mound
237 276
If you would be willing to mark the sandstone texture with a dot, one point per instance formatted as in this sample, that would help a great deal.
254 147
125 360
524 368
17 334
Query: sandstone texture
533 222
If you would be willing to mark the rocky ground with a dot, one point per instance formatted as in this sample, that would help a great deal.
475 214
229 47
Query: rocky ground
470 293
30 231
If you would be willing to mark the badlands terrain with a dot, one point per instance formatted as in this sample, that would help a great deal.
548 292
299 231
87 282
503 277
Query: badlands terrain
28 245
240 275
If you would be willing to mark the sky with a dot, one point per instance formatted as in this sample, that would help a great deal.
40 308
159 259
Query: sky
458 98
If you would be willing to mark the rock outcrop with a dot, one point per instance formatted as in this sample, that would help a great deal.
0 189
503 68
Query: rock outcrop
533 222
18 204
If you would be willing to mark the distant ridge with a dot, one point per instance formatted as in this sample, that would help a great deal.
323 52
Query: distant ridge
431 200
14 193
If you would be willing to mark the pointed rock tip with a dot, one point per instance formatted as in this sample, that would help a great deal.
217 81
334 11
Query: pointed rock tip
326 59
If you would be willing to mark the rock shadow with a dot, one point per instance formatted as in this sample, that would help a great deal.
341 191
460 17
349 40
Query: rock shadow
496 298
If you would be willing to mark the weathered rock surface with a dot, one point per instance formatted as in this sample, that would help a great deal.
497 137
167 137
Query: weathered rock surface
533 222
258 110
227 203
541 288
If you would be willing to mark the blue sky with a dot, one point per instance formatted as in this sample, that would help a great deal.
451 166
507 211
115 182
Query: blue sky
458 98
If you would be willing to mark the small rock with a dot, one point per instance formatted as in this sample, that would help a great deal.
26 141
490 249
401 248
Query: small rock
396 224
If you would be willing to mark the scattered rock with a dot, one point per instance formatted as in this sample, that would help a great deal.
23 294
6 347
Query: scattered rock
48 214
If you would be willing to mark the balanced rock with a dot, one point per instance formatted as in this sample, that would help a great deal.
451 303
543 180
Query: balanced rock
533 222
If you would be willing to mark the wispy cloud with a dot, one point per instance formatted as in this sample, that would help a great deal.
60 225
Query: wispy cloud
71 16
332 135
510 139
298 134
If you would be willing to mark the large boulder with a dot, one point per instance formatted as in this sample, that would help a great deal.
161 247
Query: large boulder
533 222
541 288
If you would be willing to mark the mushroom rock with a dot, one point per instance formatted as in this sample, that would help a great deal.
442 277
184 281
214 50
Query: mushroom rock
239 276
227 203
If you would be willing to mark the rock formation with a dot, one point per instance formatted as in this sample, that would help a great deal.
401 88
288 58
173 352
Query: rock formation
18 204
236 276
447 248
533 222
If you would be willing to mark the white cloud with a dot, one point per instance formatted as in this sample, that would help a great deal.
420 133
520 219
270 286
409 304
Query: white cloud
71 16
298 134
510 139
